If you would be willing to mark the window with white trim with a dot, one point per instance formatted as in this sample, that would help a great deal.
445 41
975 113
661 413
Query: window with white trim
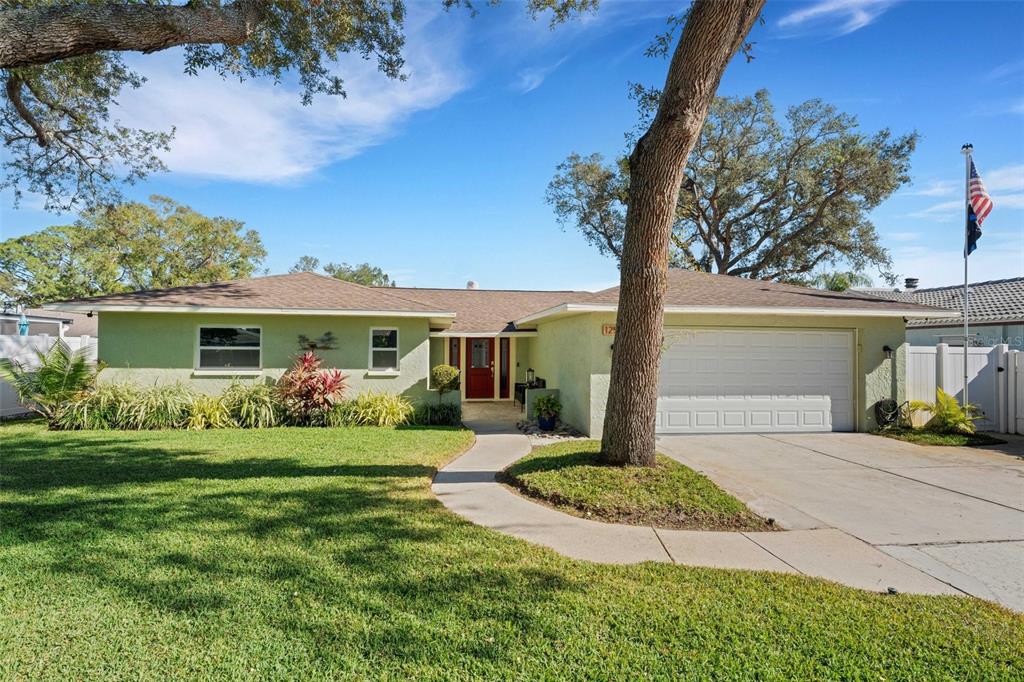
229 347
384 349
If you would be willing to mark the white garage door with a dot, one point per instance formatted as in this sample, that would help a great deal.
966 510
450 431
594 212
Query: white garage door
755 380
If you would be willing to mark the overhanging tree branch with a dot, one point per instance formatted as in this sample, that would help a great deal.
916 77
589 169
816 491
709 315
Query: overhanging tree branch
31 36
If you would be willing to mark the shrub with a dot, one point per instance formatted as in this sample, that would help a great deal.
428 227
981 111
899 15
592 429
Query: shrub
208 412
444 379
947 414
253 406
341 414
429 414
123 406
309 392
547 406
56 376
379 409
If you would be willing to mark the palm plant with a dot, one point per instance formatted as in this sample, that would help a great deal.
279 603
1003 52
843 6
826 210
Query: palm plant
55 376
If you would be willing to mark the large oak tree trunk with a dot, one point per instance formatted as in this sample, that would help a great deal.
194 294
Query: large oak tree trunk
714 31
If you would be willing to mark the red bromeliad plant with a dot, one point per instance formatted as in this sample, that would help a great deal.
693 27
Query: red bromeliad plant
308 391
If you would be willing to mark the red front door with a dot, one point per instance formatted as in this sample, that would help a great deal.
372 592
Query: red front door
479 368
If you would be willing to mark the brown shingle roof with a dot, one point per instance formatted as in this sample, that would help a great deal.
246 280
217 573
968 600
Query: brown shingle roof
301 291
491 310
689 288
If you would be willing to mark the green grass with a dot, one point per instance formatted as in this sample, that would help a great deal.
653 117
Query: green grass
321 553
570 477
922 437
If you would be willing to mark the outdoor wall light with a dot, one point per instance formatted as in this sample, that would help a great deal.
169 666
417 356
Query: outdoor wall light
888 352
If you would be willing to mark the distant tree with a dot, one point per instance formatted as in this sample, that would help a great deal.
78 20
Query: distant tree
125 248
760 198
363 273
840 281
306 264
62 69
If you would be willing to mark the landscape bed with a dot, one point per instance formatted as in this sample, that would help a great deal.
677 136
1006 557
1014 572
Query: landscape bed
570 477
321 553
923 437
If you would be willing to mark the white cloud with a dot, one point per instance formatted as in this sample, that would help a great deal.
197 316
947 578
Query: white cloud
1006 70
528 80
1006 178
260 132
942 212
837 17
935 188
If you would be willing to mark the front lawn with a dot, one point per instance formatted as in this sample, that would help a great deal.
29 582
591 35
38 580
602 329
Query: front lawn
570 477
922 437
321 553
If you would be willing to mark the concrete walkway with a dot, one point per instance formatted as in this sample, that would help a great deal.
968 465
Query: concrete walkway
468 487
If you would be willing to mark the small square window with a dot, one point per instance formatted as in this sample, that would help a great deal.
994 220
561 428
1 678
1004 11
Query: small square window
384 349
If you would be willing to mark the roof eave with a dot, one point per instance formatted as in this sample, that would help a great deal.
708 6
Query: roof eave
572 309
444 315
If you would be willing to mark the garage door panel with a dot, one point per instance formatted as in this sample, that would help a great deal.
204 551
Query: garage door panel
756 380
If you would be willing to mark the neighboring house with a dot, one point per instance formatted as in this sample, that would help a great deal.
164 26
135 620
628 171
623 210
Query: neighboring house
46 322
996 313
740 355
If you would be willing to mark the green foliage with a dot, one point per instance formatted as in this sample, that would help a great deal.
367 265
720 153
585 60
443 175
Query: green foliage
444 414
362 273
375 409
61 144
761 198
840 281
128 407
127 248
444 379
253 406
208 412
947 414
571 476
55 377
547 406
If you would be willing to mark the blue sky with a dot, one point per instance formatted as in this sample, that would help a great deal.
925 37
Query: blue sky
441 178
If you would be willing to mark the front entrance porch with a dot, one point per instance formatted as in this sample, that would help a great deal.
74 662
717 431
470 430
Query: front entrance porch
490 365
491 416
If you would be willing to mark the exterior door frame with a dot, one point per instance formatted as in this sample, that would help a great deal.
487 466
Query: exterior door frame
471 372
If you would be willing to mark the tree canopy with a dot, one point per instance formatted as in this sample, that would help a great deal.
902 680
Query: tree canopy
62 66
761 198
127 247
362 273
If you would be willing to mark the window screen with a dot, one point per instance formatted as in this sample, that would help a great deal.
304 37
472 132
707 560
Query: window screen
229 348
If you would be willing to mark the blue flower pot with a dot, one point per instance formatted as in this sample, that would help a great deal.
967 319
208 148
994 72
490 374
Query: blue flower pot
546 423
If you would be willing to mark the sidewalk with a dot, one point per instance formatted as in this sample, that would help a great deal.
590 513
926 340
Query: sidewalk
468 487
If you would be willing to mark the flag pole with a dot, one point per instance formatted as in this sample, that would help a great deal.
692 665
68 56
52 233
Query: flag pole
966 151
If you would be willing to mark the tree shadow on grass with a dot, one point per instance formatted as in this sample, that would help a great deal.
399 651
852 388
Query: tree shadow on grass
345 559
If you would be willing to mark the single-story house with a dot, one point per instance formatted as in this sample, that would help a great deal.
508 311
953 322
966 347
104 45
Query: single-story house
996 312
740 355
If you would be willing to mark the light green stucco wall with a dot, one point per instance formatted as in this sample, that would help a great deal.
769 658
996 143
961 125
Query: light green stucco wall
565 354
524 344
575 358
985 335
157 348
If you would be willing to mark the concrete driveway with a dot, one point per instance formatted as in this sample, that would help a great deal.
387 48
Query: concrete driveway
954 513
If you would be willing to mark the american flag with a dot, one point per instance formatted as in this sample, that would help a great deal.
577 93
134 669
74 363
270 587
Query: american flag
979 199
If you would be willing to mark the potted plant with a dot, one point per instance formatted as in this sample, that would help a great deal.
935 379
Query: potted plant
547 409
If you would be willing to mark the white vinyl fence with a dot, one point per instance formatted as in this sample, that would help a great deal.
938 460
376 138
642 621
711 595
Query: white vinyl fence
23 348
995 377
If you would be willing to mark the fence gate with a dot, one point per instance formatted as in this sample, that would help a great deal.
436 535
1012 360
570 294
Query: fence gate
995 381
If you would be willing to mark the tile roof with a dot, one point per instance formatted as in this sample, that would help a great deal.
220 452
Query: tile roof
299 291
1000 300
689 288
